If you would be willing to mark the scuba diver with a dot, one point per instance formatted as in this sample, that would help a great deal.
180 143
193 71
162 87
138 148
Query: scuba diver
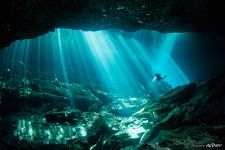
158 77
160 85
156 87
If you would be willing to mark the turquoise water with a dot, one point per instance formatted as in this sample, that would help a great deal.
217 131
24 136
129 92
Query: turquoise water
117 60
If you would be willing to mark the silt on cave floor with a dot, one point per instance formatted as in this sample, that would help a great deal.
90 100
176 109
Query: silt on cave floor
95 90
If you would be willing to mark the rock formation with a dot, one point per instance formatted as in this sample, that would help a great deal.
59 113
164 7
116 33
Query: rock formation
22 19
35 117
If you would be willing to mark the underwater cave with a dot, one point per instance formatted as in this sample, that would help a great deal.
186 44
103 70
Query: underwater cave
112 75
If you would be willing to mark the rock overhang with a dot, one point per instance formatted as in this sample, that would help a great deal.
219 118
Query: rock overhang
31 18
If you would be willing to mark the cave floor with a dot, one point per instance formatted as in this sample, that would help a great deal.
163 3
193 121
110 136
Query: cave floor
43 114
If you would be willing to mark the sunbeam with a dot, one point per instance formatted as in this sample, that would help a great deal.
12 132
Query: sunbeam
104 58
86 82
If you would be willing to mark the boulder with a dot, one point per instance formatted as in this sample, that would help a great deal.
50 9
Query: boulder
63 117
127 106
188 116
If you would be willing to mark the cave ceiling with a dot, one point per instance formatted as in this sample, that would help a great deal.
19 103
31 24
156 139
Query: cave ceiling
22 19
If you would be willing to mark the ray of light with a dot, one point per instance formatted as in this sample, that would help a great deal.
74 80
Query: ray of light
61 54
162 62
103 57
111 66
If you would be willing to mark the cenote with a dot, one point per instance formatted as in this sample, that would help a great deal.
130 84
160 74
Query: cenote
106 84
